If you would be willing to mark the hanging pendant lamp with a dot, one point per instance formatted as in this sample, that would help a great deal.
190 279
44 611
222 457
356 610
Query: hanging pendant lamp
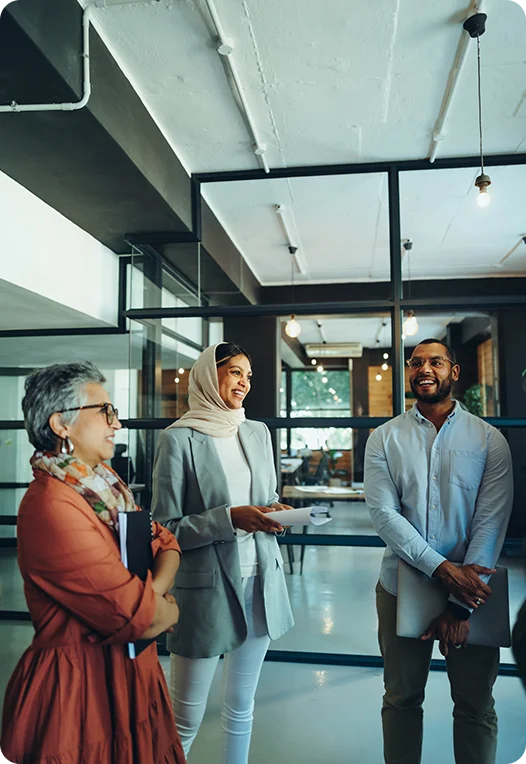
475 26
293 327
410 325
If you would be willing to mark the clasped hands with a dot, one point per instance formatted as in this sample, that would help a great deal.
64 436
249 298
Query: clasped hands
465 584
255 518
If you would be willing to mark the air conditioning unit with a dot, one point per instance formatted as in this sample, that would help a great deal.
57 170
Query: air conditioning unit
334 350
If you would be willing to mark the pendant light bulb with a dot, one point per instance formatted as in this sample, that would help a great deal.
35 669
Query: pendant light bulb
482 182
410 325
293 327
483 199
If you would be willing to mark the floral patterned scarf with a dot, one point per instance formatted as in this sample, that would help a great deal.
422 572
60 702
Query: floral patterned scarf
100 486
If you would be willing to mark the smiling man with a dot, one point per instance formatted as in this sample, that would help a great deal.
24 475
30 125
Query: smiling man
439 487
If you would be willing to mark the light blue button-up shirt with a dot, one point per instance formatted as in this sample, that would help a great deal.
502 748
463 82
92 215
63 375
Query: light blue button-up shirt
436 496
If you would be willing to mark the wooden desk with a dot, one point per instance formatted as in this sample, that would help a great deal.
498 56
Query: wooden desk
322 493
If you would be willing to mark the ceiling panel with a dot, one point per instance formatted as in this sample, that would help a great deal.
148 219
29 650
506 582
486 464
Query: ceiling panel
341 222
452 236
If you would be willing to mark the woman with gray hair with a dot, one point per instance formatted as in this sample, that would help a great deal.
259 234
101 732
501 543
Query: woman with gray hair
75 696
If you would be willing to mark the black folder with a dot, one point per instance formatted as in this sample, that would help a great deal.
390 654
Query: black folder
136 535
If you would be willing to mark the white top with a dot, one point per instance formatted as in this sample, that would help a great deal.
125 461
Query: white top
239 481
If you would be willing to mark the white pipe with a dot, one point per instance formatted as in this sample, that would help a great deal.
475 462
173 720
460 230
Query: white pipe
225 49
282 212
86 87
452 84
511 252
111 3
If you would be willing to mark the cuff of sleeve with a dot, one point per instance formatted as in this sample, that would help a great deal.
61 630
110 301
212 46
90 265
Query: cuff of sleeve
430 561
454 600
227 509
140 620
459 611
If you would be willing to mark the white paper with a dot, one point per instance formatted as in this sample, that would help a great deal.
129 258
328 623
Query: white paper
302 516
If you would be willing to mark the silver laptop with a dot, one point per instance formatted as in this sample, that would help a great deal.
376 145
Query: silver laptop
421 599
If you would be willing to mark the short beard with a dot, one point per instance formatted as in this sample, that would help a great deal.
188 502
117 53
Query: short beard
443 391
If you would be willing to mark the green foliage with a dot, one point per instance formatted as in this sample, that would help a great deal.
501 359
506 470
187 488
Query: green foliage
312 395
473 400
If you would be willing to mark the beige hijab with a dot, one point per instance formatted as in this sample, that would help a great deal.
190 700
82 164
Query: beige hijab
208 413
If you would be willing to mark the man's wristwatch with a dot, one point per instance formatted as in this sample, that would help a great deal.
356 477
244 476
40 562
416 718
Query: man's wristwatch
462 613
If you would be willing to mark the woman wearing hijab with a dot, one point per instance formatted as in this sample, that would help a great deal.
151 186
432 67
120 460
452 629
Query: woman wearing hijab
214 485
75 696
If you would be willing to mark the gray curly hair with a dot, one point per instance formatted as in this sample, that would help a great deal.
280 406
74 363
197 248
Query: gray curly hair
57 387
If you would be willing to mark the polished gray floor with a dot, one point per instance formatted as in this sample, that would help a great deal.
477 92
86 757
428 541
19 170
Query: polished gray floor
317 713
320 714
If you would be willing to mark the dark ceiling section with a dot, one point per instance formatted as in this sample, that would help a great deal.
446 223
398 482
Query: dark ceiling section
218 243
105 167
382 291
202 269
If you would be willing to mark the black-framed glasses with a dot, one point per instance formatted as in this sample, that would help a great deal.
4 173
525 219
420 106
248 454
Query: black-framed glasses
107 408
437 362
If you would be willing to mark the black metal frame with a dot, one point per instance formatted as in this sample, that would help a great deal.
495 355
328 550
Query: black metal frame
306 171
394 306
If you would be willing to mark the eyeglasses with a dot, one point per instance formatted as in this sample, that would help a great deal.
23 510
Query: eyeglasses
107 408
437 362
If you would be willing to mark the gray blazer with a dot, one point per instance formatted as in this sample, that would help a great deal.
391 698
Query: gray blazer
190 497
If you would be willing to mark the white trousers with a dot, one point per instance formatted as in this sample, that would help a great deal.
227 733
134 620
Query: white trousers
191 678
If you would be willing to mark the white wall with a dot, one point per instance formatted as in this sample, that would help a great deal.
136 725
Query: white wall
44 252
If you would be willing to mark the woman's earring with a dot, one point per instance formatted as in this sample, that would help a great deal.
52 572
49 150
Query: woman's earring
67 446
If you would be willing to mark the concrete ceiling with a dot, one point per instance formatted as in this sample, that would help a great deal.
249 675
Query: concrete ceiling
362 83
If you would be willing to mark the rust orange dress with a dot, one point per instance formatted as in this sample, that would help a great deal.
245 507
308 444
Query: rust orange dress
75 697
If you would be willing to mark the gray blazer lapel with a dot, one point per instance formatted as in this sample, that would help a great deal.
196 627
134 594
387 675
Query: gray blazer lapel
257 461
209 471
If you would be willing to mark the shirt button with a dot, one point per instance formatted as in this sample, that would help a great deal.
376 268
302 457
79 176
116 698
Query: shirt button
433 506
434 477
433 537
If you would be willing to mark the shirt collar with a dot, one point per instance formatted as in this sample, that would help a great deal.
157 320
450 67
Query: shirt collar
422 419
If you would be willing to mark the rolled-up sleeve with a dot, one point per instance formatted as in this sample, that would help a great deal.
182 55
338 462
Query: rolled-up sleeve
493 508
384 507
64 554
163 540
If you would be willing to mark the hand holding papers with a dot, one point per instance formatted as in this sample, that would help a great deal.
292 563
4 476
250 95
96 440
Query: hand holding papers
302 516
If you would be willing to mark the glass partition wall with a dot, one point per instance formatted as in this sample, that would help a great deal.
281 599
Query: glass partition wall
320 407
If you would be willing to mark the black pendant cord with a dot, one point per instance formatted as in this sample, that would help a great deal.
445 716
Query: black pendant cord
292 277
409 273
480 105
